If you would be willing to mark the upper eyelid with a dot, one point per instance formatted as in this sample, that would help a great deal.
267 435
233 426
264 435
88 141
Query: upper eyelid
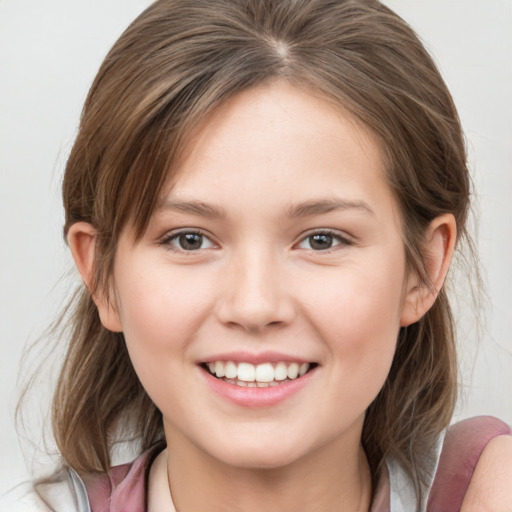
344 241
171 235
327 231
179 231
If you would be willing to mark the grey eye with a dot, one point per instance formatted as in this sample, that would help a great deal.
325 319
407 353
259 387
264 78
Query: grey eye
190 241
321 242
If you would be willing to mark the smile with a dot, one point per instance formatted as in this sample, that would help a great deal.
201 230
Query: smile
263 375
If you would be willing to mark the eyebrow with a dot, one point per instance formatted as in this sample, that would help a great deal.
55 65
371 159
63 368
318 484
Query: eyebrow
305 209
323 206
198 208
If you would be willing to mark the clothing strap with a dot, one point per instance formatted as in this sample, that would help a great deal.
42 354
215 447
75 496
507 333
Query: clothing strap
463 445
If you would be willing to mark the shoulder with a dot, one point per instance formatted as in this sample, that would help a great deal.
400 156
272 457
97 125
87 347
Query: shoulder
490 488
464 474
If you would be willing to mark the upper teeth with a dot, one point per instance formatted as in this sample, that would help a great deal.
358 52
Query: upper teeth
266 372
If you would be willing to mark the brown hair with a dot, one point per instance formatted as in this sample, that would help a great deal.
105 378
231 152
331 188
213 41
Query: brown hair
176 63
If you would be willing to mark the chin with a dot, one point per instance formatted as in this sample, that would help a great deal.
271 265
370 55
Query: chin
259 453
267 461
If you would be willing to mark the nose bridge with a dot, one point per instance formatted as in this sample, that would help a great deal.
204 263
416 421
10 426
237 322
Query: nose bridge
254 296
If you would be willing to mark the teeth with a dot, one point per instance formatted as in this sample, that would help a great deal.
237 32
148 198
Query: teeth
293 371
264 372
280 371
219 369
246 372
261 375
231 370
244 384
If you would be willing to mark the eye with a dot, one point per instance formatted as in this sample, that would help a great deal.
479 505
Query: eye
188 241
323 241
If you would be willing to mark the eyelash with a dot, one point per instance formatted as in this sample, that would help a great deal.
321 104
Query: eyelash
342 240
167 240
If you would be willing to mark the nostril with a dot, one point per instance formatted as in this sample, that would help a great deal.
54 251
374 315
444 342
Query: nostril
255 302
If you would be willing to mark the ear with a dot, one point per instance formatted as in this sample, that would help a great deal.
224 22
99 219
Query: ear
437 251
82 242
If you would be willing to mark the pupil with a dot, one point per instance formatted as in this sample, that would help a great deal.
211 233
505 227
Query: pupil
190 241
321 242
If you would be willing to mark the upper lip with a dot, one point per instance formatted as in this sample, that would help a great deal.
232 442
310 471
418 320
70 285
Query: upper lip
255 358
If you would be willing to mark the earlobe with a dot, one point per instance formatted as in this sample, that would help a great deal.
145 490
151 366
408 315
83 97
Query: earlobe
437 250
81 239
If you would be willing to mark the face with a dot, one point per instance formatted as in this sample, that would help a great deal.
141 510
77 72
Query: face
276 249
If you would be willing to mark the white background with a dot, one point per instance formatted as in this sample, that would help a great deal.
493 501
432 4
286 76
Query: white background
49 53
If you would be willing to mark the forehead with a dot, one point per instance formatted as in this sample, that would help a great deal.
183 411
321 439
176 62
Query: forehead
278 143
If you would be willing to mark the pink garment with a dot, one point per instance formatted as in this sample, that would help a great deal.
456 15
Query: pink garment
124 488
463 445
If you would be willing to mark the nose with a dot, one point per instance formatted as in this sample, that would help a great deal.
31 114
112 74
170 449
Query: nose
254 294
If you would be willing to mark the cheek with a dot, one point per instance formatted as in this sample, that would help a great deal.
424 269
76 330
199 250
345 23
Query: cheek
160 314
358 318
358 301
163 302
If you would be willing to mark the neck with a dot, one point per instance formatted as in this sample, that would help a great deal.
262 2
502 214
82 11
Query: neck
334 477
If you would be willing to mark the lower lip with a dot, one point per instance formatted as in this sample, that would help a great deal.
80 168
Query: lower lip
256 397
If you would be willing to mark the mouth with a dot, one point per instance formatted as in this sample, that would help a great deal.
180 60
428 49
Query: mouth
264 375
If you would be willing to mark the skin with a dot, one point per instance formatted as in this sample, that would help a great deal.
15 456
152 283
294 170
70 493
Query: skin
490 488
258 284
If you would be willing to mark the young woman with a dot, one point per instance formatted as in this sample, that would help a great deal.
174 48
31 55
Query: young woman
263 201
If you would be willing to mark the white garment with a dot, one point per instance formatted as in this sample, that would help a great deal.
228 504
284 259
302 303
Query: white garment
65 493
402 494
